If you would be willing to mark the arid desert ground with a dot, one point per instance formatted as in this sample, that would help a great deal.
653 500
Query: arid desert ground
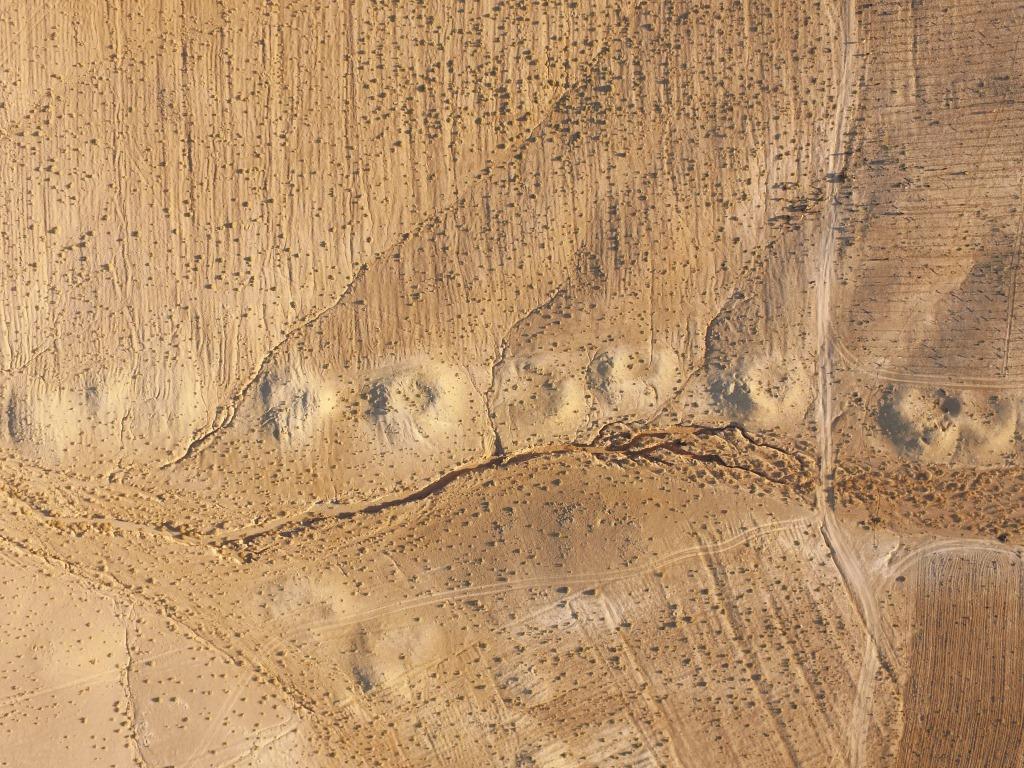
511 383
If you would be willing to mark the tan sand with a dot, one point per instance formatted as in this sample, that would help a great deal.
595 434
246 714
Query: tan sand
593 383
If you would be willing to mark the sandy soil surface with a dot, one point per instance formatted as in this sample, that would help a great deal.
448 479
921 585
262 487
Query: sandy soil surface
592 383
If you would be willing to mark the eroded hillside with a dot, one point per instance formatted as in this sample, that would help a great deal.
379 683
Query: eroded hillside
513 384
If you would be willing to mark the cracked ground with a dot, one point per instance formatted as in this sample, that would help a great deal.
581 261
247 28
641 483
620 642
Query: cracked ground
516 384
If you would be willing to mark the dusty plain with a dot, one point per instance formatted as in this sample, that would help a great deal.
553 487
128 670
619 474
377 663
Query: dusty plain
528 384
